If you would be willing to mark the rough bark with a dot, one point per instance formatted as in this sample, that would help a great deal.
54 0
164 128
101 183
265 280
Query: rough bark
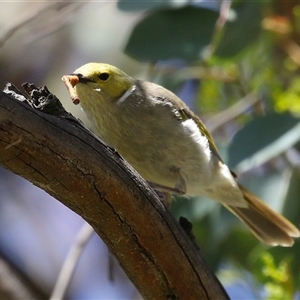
90 178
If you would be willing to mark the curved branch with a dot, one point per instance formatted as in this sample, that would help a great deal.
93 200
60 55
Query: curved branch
90 178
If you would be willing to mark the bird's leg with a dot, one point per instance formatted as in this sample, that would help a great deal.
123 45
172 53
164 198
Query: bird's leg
179 188
165 192
180 183
165 197
165 189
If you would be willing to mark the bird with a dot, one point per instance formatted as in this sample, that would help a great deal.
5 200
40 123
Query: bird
168 145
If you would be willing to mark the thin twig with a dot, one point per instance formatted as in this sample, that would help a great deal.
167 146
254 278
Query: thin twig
69 266
232 112
223 17
63 12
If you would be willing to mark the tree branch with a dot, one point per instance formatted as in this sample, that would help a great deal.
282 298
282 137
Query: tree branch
89 177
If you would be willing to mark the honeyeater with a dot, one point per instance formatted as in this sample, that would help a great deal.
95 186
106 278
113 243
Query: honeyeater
168 144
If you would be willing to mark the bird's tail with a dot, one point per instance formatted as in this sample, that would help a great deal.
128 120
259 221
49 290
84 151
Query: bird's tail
267 225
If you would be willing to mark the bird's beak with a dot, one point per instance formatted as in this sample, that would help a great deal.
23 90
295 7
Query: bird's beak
81 79
70 81
73 79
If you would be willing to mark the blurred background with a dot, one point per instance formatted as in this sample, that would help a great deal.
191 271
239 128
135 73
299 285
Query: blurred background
236 63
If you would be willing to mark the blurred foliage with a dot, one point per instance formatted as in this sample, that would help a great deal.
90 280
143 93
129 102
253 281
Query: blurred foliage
148 42
271 141
278 279
237 63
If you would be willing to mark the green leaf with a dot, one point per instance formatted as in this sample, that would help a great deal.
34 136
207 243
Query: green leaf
172 33
263 139
242 30
129 5
264 185
292 204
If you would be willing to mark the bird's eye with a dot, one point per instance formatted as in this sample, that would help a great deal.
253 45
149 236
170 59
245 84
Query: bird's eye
103 76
